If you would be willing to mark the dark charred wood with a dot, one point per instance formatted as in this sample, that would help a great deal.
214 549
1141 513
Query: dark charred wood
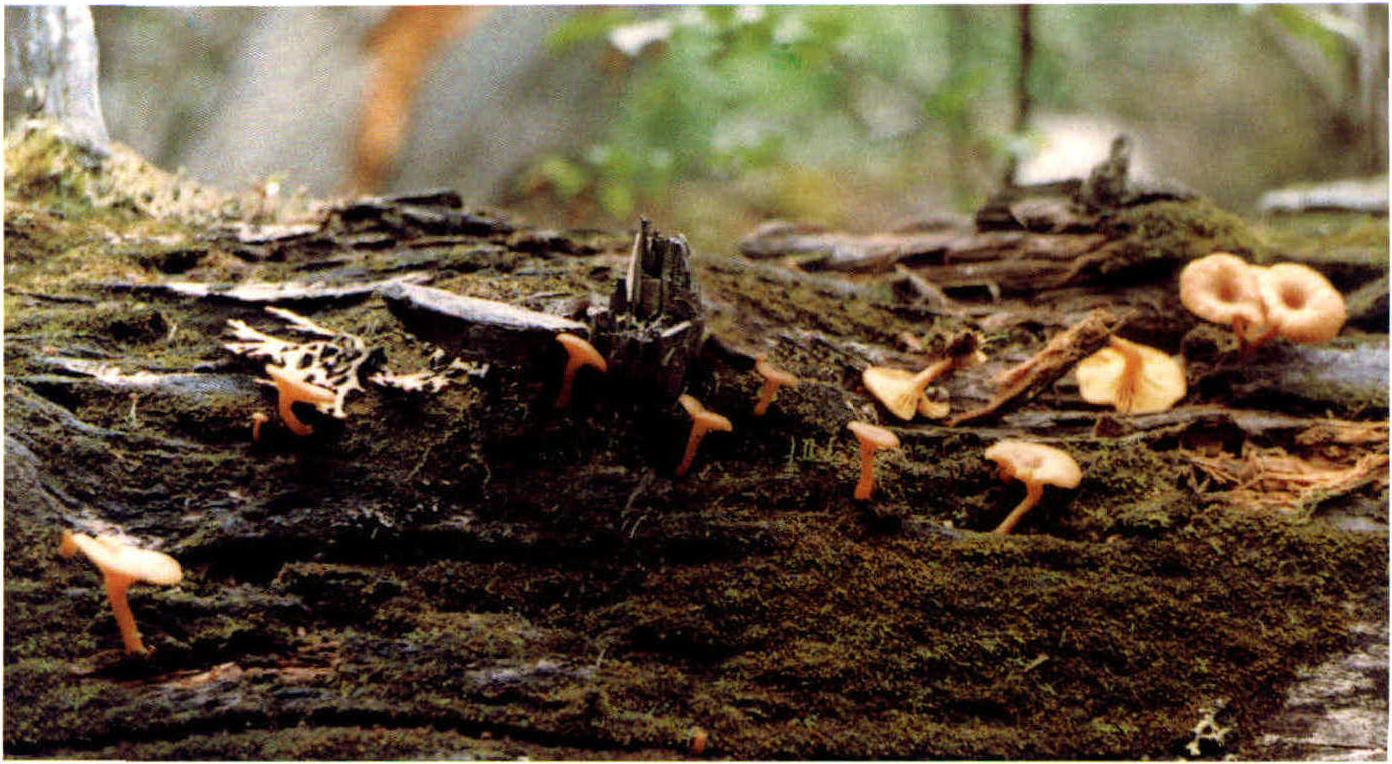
653 329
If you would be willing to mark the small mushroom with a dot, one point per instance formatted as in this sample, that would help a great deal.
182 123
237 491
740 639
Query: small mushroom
902 391
294 390
873 439
774 378
581 353
1301 304
1223 288
122 565
1036 465
1135 378
258 420
702 421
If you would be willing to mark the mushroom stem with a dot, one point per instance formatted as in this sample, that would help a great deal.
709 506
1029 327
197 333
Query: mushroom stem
116 588
1247 346
866 486
1034 492
698 431
287 415
568 381
1130 374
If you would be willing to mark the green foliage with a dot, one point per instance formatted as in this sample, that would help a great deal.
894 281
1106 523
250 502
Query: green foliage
719 91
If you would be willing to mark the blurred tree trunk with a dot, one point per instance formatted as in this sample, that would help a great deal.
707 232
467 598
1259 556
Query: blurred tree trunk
51 70
1023 102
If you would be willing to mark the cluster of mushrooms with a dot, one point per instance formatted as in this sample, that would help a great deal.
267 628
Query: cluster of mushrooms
1287 300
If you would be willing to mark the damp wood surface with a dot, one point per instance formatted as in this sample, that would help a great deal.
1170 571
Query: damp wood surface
473 573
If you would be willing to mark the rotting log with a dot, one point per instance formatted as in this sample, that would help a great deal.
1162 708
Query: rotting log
469 573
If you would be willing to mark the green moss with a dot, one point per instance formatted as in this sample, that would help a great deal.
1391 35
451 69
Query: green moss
1175 232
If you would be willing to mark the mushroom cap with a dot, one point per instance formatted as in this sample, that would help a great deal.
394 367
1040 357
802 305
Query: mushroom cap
1221 288
298 388
704 417
1035 463
1301 302
582 351
774 374
899 390
689 402
873 435
116 558
1158 383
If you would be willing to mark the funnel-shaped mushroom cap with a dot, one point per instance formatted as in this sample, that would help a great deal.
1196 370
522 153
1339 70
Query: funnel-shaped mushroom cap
298 389
1135 378
900 391
582 352
774 374
118 559
704 418
1302 303
873 435
1035 463
1221 288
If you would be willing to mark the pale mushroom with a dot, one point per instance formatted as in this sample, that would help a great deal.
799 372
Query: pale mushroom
122 565
1036 465
702 421
1134 378
873 439
902 392
1223 288
580 354
1301 304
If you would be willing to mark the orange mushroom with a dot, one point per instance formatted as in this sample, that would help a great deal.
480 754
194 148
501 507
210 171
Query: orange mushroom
902 391
1301 304
873 439
1135 378
581 353
257 420
294 390
1223 288
122 565
774 378
1036 465
702 421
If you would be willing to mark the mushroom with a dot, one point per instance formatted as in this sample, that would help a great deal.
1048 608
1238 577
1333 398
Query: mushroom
294 390
257 420
902 391
1036 465
581 353
873 439
122 565
774 378
1223 288
1301 304
702 421
1135 378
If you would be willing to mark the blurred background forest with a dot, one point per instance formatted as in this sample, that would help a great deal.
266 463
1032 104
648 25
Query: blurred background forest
716 118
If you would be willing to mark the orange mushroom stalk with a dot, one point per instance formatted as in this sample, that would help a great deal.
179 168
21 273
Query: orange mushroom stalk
702 422
581 354
873 439
122 565
294 390
774 378
1036 465
258 420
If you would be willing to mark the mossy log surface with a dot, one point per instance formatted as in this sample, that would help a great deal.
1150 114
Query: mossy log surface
473 573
